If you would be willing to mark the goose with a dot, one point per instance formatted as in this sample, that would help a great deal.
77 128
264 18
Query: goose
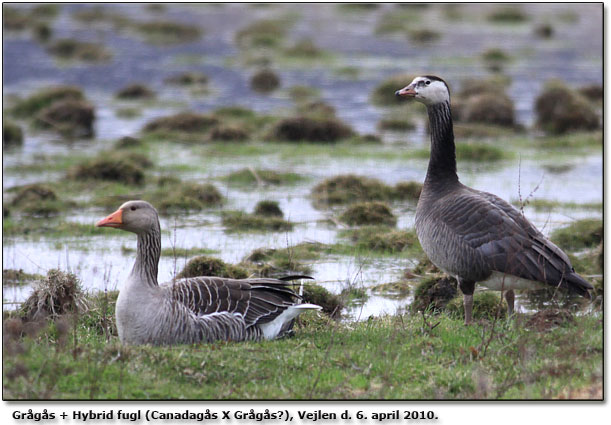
197 309
476 236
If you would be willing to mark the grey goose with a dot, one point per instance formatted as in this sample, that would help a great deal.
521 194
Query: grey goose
476 236
198 309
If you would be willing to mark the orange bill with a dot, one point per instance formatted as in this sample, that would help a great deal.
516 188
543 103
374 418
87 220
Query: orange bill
406 91
113 220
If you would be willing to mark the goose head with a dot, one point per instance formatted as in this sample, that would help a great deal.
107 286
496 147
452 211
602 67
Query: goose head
133 216
426 89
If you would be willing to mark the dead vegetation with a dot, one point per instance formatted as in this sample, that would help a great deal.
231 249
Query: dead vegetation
59 293
369 213
308 129
560 110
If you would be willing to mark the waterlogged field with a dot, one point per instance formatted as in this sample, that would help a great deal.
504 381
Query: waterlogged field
239 122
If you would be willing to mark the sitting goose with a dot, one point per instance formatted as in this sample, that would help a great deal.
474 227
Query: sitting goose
476 236
198 309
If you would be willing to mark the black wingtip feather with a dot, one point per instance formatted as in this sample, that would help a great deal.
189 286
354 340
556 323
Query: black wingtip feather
295 277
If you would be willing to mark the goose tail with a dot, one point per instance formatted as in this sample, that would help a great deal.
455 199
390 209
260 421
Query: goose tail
578 284
284 322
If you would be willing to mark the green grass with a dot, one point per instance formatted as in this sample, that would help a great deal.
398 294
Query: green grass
12 277
394 357
579 234
239 221
548 205
253 177
37 228
383 240
175 252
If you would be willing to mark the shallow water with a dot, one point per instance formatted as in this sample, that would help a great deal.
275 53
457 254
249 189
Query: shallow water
573 54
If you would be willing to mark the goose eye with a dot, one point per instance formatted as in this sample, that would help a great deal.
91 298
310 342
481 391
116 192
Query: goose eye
427 82
133 208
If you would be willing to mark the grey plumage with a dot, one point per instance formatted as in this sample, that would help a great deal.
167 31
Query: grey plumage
473 235
197 309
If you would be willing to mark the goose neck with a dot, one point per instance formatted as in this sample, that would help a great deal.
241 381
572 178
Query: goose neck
442 163
147 259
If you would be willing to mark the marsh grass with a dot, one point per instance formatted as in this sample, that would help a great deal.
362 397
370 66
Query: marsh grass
256 177
325 359
11 277
43 98
550 205
580 234
382 239
162 32
239 221
74 50
175 251
37 228
473 151
270 262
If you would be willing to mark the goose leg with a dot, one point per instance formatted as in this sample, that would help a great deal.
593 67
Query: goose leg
468 302
467 289
510 296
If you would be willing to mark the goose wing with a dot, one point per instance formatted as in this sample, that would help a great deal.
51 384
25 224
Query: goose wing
507 242
258 301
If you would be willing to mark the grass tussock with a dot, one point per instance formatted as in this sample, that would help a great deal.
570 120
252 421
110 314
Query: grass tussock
484 102
12 277
331 304
265 33
188 79
309 129
433 294
12 134
70 118
423 35
189 196
397 290
184 122
135 91
115 169
265 81
257 177
59 293
239 221
368 213
209 266
350 188
486 306
37 199
268 208
384 93
586 233
383 239
508 15
561 110
228 133
164 32
43 98
270 262
76 50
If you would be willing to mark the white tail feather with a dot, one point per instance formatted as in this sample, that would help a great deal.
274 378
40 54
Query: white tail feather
273 328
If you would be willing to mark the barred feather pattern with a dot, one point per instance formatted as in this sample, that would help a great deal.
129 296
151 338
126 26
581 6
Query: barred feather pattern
201 309
198 309
471 234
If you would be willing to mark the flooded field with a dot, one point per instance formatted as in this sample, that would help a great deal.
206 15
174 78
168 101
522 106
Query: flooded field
326 56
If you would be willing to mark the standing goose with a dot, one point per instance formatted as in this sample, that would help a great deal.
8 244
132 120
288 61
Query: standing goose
198 309
476 236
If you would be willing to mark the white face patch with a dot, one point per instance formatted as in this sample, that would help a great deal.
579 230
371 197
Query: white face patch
430 92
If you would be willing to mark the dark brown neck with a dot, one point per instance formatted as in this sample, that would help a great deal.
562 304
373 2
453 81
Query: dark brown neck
147 260
442 164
